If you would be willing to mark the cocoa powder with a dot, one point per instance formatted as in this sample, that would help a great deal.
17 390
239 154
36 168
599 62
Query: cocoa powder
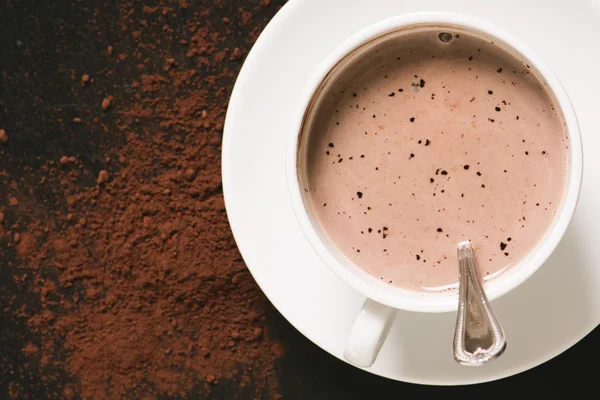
3 136
139 288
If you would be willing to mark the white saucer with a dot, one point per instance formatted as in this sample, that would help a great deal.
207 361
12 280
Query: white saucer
548 314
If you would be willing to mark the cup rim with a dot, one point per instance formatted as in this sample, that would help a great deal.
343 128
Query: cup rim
411 300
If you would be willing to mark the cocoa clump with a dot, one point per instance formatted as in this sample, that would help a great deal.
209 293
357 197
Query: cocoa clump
106 103
190 174
257 333
236 54
103 177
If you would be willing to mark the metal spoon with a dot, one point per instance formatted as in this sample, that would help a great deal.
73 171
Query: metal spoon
478 337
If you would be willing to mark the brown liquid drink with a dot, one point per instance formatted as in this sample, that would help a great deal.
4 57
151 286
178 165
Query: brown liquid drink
424 144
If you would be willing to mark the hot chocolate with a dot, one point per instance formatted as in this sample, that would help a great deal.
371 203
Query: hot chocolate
431 140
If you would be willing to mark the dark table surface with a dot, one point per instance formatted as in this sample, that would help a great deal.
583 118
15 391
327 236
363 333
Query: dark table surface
31 27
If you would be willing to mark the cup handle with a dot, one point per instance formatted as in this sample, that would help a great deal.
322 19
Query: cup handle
368 333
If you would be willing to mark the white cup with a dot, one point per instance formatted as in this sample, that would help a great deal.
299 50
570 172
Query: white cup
377 315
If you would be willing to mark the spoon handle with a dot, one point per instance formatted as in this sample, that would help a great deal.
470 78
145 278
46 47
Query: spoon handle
478 337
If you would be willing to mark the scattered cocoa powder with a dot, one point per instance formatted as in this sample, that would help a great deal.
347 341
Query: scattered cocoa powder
140 290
